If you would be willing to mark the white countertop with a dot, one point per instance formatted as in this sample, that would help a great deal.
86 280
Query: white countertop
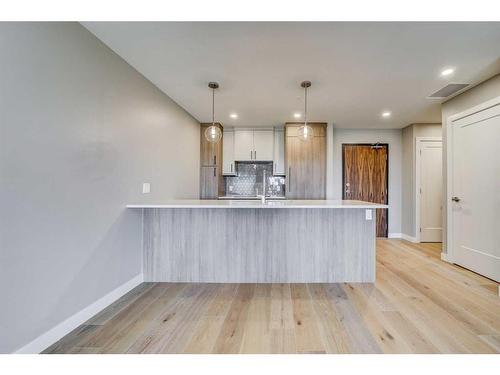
197 203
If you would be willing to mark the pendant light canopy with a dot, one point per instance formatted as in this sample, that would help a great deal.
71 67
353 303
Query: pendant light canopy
213 133
305 131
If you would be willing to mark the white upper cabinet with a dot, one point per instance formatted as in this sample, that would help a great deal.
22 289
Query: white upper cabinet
279 152
243 145
253 145
263 145
228 166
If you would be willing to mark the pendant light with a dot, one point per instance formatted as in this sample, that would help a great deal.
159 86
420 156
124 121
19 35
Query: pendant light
213 133
305 131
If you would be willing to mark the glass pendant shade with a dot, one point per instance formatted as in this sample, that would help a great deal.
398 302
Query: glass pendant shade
305 133
213 134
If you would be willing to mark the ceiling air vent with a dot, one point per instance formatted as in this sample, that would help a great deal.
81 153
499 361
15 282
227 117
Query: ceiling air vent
448 90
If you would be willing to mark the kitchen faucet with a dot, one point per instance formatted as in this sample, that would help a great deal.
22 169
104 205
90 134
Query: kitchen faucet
263 196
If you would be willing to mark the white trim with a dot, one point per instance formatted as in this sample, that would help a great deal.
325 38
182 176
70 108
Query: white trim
445 258
409 238
449 169
395 235
56 333
418 147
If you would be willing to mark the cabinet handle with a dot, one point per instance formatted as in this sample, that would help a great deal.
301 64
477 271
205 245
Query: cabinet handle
215 159
251 155
214 171
255 155
289 178
231 167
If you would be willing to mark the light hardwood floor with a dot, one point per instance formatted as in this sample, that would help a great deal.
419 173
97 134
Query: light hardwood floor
418 304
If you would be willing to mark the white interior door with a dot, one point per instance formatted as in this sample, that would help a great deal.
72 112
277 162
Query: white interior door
431 187
475 206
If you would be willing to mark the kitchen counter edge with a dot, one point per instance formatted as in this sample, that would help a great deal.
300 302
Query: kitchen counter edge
195 203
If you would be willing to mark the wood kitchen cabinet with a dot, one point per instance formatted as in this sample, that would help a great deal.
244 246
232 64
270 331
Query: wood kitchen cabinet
209 183
305 162
210 153
254 145
211 180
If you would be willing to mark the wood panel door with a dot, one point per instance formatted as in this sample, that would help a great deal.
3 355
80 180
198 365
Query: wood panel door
365 175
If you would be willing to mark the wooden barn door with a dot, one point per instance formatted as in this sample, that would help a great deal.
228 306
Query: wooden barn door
365 175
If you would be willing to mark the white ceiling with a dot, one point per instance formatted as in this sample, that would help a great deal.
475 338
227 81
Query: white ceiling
357 69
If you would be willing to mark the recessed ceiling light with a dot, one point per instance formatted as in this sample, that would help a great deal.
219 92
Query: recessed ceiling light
233 115
386 114
297 115
447 72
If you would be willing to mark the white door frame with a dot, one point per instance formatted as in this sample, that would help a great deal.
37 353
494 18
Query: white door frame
448 256
418 160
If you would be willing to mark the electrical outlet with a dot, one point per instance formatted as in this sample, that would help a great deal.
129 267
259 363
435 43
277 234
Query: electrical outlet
146 188
368 214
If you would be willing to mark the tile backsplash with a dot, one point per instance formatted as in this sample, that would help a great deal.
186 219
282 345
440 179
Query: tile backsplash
248 181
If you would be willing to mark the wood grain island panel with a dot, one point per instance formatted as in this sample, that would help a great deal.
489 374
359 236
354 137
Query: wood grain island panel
247 245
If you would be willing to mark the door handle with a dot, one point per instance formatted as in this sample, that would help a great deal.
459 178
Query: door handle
455 199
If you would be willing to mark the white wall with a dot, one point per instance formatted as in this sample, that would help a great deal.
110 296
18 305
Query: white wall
408 208
487 90
80 130
335 139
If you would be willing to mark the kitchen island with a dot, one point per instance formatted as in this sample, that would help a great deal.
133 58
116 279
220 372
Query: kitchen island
290 241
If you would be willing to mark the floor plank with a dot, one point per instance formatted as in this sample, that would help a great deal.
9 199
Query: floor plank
418 304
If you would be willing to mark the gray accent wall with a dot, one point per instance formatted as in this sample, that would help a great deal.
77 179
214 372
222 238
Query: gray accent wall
481 93
408 175
80 131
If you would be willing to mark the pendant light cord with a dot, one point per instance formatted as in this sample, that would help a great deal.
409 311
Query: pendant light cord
305 106
213 107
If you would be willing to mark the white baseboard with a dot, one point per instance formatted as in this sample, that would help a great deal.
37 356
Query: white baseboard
403 236
409 238
445 258
53 335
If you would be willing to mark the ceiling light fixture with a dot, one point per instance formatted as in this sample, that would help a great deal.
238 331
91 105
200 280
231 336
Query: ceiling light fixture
447 72
213 133
305 131
233 115
297 115
386 114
